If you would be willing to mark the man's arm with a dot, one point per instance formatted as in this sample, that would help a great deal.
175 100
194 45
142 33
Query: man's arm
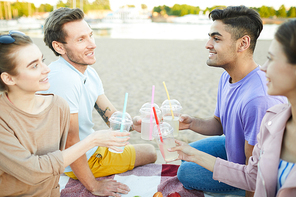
211 126
248 153
105 108
80 166
107 187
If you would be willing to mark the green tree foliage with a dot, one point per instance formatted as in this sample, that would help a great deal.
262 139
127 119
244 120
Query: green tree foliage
162 10
264 12
177 10
282 13
292 12
143 6
45 8
23 8
61 4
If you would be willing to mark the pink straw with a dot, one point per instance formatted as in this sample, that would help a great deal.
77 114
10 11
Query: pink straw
157 123
151 115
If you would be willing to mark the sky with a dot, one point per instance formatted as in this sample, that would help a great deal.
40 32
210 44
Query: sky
115 4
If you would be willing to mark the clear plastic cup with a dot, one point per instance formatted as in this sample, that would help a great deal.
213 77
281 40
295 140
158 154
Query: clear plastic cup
145 116
168 141
115 124
167 114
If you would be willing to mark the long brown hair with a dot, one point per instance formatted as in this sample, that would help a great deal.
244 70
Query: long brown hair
286 35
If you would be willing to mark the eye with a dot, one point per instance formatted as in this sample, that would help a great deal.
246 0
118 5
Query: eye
269 58
35 66
216 39
80 39
43 60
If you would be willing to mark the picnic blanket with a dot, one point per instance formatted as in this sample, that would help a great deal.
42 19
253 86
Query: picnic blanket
144 181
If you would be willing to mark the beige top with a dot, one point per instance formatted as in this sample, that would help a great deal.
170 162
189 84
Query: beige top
30 148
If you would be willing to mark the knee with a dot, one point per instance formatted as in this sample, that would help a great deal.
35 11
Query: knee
152 153
145 153
181 174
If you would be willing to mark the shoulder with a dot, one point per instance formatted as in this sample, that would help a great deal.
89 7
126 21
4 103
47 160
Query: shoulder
92 72
5 109
279 108
224 79
60 102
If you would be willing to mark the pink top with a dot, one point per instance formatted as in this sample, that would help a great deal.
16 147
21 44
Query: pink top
264 162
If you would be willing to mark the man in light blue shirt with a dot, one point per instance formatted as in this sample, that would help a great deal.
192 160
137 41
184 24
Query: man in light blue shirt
70 37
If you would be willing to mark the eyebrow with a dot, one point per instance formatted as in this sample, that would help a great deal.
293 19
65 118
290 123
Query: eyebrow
84 35
36 60
214 34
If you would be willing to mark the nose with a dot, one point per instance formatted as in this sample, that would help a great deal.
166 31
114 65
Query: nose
92 43
209 44
46 69
264 66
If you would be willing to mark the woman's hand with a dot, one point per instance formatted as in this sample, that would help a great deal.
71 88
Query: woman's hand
190 154
185 151
110 138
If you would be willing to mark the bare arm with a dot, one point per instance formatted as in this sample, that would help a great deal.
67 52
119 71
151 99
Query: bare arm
211 126
191 154
105 108
80 166
248 153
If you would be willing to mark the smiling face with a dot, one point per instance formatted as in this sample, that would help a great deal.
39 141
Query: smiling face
79 49
222 48
31 71
281 75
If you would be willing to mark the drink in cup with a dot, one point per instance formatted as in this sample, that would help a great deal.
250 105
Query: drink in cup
167 108
165 141
115 124
146 111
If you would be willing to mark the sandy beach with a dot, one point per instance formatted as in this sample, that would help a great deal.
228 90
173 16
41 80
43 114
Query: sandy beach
133 66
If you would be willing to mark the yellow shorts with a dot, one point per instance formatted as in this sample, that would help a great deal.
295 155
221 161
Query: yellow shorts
105 163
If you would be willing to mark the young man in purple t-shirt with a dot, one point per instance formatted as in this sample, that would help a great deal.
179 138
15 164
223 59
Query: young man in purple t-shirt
241 101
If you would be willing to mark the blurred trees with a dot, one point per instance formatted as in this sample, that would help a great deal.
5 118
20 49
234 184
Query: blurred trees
17 9
177 10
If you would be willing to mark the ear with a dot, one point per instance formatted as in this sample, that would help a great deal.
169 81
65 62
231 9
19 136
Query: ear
244 43
58 47
7 79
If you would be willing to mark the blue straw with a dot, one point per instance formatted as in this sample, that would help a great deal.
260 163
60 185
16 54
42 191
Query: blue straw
123 112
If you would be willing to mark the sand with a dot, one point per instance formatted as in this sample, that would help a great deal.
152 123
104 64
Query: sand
133 66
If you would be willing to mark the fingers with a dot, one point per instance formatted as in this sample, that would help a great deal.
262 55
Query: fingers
120 134
137 120
183 117
179 143
122 188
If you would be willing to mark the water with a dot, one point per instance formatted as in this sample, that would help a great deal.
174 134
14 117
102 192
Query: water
165 31
163 147
173 122
151 30
145 129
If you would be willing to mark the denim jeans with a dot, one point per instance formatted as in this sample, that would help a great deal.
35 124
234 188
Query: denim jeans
193 176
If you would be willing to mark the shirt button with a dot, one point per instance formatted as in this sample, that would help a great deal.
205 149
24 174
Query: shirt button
269 123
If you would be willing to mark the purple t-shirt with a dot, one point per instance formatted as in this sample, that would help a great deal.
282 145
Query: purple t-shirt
241 107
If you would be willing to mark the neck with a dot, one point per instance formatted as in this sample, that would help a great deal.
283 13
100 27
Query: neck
80 67
240 69
293 109
25 102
